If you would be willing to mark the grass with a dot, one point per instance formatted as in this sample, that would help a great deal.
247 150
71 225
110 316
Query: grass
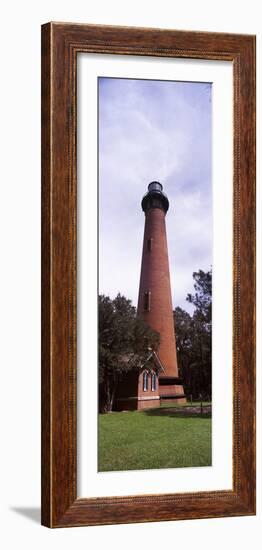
156 438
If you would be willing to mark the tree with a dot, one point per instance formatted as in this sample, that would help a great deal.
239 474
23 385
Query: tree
184 343
202 317
124 341
202 299
194 338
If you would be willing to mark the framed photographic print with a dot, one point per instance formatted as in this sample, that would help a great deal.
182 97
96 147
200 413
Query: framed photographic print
148 275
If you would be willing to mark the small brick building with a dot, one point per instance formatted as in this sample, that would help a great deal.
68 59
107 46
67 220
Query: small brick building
139 389
158 380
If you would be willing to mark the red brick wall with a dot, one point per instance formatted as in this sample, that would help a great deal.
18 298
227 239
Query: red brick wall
149 392
171 390
130 394
148 404
156 279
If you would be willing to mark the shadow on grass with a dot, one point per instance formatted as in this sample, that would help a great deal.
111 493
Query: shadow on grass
174 412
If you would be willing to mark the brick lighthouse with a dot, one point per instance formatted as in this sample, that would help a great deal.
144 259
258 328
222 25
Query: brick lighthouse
155 300
157 380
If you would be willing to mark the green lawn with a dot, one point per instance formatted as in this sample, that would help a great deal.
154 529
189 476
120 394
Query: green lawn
167 437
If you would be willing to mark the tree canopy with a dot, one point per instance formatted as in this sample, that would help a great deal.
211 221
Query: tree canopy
125 341
194 338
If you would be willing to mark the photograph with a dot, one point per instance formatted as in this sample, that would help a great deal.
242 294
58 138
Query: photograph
155 274
148 274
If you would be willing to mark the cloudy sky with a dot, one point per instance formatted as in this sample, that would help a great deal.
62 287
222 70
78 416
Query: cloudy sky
154 130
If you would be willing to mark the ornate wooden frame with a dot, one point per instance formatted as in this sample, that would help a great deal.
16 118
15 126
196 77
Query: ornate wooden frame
60 44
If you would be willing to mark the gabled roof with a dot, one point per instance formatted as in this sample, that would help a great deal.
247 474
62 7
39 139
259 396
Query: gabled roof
153 357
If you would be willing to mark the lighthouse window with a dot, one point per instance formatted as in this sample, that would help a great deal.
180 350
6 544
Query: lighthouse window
147 300
153 381
145 381
149 244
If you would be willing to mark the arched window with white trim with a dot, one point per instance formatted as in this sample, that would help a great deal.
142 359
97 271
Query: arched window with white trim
153 381
145 381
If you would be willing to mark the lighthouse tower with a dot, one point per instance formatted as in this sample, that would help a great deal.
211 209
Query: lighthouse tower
155 300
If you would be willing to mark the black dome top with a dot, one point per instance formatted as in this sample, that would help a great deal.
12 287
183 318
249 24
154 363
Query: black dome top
155 198
155 186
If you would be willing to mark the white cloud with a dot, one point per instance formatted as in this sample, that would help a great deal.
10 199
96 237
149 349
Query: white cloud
154 130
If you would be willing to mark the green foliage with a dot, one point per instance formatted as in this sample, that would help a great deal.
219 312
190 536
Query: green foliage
202 299
153 439
194 338
124 342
